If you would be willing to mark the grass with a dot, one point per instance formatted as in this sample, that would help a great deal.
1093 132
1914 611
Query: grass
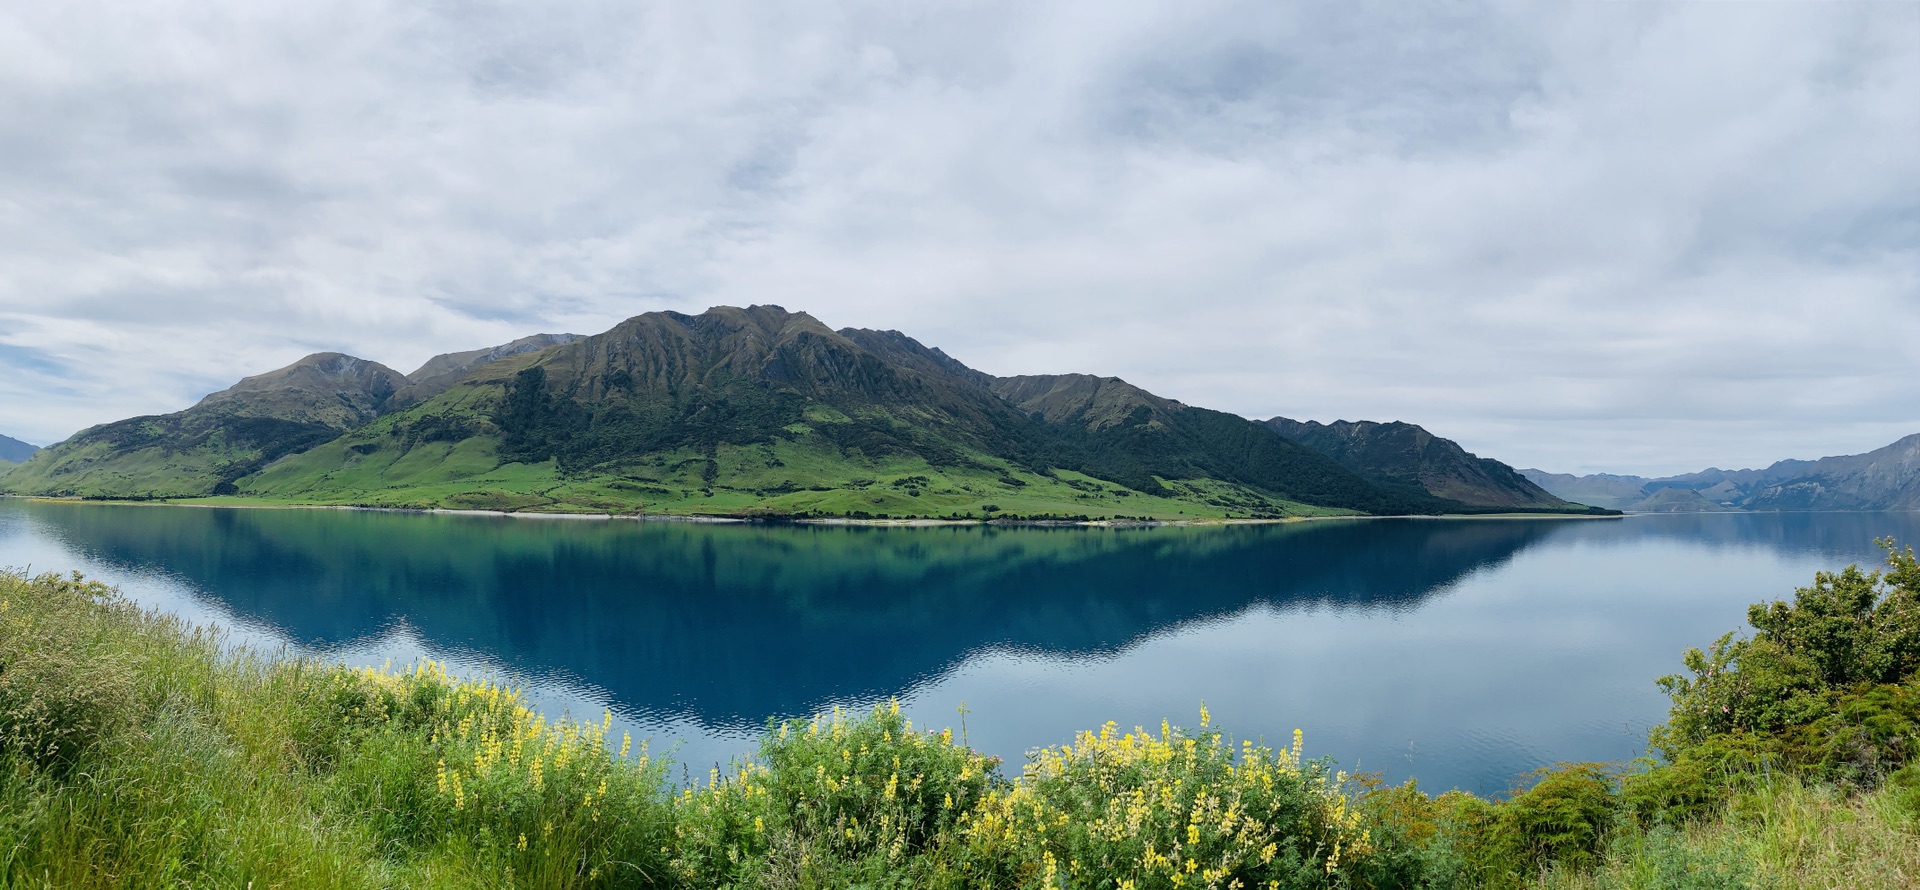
98 468
1787 833
138 751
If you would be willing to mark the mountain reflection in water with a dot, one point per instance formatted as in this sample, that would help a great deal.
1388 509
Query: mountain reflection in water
737 623
722 626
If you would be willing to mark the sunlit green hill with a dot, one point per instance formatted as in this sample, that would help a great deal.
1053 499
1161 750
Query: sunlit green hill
227 436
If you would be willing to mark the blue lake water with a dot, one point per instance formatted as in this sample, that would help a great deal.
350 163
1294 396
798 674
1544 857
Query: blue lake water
1461 652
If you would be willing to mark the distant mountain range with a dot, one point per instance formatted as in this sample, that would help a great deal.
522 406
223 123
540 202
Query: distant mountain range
1884 479
13 451
756 411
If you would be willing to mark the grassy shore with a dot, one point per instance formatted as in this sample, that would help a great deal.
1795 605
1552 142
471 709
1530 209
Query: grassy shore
904 520
138 751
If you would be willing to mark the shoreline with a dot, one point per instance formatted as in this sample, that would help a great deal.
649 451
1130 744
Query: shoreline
903 522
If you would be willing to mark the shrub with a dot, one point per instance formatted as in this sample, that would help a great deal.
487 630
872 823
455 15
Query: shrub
1181 809
1415 847
1694 783
1562 822
831 800
1829 677
1849 630
1563 819
434 759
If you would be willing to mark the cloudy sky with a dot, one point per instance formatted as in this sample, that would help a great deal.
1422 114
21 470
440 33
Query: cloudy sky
1624 236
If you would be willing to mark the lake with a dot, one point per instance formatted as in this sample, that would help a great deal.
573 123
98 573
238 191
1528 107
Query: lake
1460 652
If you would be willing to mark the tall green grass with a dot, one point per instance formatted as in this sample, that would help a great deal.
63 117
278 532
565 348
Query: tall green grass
136 751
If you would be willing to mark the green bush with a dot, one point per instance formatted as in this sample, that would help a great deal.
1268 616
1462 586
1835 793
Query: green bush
834 801
1563 819
1694 784
1828 679
1416 845
137 752
1181 809
468 762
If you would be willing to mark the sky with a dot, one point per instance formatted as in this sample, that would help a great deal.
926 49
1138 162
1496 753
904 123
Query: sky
1588 236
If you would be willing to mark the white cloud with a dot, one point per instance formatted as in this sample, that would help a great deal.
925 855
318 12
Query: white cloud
1639 237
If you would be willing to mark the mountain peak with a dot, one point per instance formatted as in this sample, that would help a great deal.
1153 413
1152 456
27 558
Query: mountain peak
456 362
1083 399
229 434
330 388
898 347
767 320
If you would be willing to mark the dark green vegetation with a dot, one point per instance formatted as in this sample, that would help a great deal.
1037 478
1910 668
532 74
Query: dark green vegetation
136 751
13 451
1883 479
1405 457
752 411
1827 686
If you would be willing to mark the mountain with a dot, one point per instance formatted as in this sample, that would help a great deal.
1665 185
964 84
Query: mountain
1406 456
229 435
13 451
760 409
1677 500
443 371
1884 479
733 411
1122 432
1599 489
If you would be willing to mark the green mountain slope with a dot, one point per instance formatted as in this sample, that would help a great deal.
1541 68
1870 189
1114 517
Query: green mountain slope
1118 431
1403 455
739 411
229 435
